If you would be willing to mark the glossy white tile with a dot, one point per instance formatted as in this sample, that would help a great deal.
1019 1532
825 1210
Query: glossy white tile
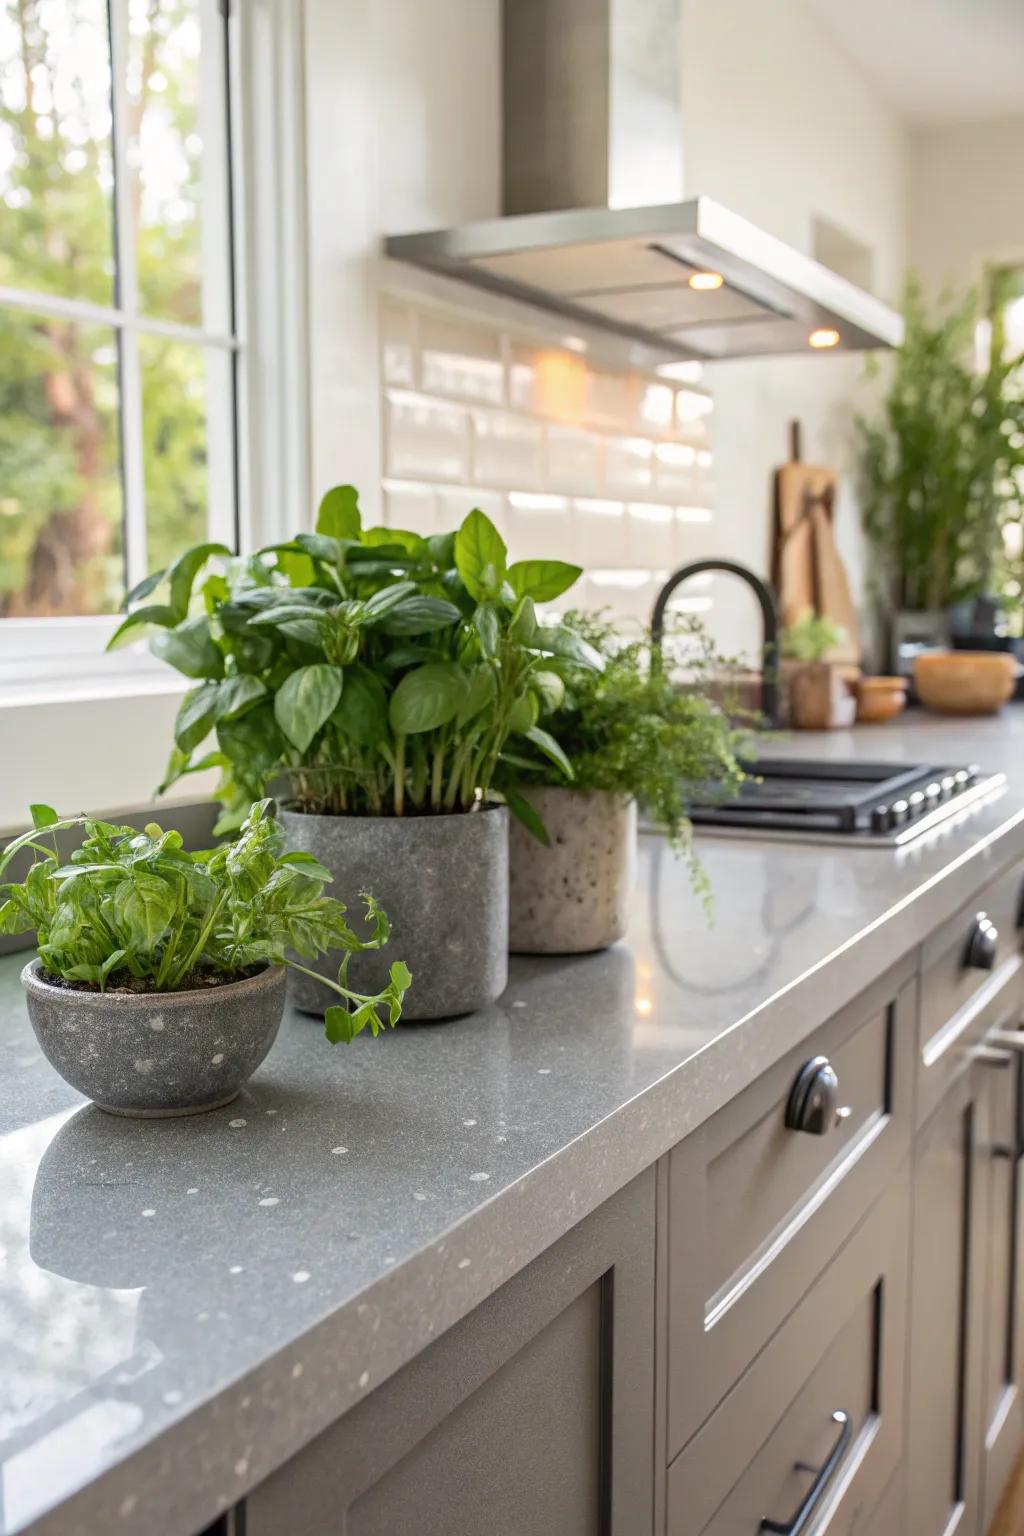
425 437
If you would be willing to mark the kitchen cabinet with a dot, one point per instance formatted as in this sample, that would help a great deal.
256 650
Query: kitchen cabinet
534 1414
947 1316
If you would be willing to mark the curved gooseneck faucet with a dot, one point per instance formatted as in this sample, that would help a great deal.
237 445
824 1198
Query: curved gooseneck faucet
769 622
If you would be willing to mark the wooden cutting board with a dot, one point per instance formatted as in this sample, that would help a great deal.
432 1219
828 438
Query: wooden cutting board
807 570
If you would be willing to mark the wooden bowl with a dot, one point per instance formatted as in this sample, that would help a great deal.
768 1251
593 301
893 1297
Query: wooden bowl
965 682
880 698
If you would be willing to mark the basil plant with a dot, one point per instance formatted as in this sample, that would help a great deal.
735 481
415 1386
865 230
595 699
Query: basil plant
372 671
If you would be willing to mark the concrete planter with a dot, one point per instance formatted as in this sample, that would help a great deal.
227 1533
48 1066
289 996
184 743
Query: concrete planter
442 880
574 896
157 1053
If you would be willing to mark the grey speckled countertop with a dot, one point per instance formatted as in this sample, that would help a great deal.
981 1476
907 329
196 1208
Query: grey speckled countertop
183 1304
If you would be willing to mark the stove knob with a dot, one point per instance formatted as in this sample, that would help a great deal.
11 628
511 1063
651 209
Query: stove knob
899 812
949 786
933 794
962 778
915 802
982 944
881 819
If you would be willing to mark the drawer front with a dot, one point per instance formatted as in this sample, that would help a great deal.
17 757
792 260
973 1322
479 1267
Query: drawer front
815 1426
961 1001
755 1207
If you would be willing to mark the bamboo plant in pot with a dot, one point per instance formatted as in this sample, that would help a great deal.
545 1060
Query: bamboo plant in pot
158 987
633 736
375 677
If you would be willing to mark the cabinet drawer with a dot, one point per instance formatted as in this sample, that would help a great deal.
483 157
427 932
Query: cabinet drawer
755 1208
960 1001
817 1421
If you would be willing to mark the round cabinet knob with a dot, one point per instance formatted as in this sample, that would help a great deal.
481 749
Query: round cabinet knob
982 944
813 1104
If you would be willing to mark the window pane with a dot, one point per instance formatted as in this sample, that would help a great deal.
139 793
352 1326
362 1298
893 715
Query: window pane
56 177
60 491
176 154
174 424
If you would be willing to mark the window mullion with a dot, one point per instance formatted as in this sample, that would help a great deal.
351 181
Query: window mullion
132 451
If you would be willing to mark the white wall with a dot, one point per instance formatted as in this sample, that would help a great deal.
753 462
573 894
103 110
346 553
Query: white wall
781 127
403 133
966 199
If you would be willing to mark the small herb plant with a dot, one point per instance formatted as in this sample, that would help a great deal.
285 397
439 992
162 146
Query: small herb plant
134 911
377 672
810 638
633 729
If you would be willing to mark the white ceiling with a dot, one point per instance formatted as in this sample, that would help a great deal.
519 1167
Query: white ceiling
936 61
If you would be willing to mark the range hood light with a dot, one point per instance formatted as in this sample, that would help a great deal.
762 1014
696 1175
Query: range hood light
705 282
825 337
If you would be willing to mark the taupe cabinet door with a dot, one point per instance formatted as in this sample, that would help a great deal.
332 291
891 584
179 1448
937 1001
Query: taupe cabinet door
531 1417
947 1313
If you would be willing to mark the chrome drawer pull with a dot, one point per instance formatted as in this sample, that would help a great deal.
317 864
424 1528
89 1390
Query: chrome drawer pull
822 1477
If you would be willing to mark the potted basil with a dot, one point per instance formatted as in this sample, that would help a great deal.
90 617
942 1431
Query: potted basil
633 735
374 677
158 988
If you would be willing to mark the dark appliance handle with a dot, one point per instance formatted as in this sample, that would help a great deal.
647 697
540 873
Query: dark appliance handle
822 1477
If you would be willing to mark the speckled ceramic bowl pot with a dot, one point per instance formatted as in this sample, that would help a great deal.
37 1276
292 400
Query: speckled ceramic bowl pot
443 882
574 896
156 1054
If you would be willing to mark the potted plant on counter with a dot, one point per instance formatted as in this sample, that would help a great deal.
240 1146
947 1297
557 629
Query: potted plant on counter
818 691
159 983
375 677
633 736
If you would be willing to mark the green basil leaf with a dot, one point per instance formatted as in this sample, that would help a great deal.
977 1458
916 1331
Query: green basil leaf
427 697
480 555
386 598
340 1026
305 701
480 694
543 580
550 748
522 716
523 811
197 716
441 549
43 815
321 547
523 628
143 908
549 688
412 543
298 568
142 589
485 622
189 649
158 613
420 615
362 713
253 741
560 640
238 693
182 574
338 515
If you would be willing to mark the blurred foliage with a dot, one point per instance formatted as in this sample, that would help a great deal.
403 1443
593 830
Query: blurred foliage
61 507
942 466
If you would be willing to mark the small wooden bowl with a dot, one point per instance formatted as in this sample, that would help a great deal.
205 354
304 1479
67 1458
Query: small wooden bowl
965 682
880 698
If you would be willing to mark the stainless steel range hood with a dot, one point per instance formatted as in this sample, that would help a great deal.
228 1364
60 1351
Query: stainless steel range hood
591 110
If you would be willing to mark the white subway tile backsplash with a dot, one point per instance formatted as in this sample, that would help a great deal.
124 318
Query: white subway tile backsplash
539 527
508 450
601 532
651 534
627 464
612 470
398 344
410 505
425 438
463 360
574 459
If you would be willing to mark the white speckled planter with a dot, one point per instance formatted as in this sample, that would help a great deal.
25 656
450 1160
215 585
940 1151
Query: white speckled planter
574 896
443 882
157 1054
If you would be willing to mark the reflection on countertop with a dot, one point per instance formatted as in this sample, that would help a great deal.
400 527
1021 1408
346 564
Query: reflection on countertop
187 1302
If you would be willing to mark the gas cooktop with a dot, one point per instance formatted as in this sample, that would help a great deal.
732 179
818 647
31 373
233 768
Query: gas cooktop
881 805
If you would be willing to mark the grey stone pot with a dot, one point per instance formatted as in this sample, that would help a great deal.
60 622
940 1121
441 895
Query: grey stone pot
443 882
573 897
157 1054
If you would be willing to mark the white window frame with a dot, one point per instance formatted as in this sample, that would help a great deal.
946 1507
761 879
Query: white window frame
48 659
